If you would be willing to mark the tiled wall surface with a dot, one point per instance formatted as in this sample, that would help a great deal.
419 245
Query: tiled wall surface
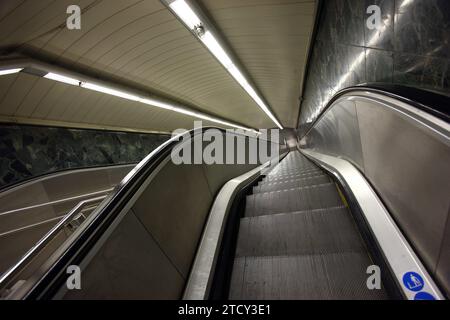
27 151
412 47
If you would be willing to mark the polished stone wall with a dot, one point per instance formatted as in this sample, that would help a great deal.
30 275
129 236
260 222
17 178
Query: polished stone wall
412 48
27 151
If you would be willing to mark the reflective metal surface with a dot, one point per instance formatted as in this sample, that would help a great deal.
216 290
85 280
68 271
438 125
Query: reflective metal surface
148 248
202 273
411 48
52 234
405 155
395 247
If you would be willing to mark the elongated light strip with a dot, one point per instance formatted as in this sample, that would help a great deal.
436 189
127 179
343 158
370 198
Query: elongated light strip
10 71
182 9
60 78
144 100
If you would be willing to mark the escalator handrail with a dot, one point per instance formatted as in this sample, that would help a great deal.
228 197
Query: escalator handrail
49 236
105 214
430 102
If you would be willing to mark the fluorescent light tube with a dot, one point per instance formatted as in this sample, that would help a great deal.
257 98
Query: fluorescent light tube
238 76
128 96
216 49
64 79
10 71
192 113
185 13
110 91
187 112
156 103
261 104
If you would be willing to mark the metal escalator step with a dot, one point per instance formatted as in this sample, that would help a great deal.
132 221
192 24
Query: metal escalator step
294 172
293 178
323 276
289 184
287 169
301 242
309 232
298 199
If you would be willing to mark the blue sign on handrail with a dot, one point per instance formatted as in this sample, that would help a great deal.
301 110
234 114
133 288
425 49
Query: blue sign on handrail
413 281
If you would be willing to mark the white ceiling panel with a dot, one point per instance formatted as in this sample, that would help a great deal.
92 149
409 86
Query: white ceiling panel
142 42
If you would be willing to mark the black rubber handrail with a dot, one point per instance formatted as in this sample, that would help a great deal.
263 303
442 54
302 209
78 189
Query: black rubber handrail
436 104
47 286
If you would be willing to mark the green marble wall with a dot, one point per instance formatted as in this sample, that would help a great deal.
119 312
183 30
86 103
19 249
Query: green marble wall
27 151
412 48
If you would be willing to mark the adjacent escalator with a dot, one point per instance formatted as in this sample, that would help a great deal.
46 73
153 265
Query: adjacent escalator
299 236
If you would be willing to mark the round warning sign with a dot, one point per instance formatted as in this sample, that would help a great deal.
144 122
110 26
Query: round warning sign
424 296
413 281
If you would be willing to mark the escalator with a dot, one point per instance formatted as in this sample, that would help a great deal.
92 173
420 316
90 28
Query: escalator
357 209
298 240
31 208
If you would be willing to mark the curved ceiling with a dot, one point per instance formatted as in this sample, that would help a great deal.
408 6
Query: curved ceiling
141 42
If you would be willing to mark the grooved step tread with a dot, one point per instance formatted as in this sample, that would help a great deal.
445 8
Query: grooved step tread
316 277
290 184
295 175
299 199
295 172
293 178
309 232
291 170
298 241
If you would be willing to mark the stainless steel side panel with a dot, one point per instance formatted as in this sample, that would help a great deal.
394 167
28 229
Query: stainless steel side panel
172 207
338 134
405 154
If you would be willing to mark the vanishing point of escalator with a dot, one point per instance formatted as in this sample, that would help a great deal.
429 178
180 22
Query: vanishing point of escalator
298 240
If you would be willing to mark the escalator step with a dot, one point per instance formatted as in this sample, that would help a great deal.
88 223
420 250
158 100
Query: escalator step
289 184
298 241
298 199
290 174
322 276
291 169
309 232
291 178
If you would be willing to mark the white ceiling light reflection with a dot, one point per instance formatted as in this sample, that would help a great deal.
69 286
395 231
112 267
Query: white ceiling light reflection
145 100
185 13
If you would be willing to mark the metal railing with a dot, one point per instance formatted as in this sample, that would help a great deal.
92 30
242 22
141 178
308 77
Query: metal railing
65 222
101 218
52 203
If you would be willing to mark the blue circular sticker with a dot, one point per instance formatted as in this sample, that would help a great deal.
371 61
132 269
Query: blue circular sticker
413 281
424 296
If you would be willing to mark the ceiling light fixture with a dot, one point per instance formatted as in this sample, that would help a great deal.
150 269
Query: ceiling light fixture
186 14
61 78
144 100
10 71
112 92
